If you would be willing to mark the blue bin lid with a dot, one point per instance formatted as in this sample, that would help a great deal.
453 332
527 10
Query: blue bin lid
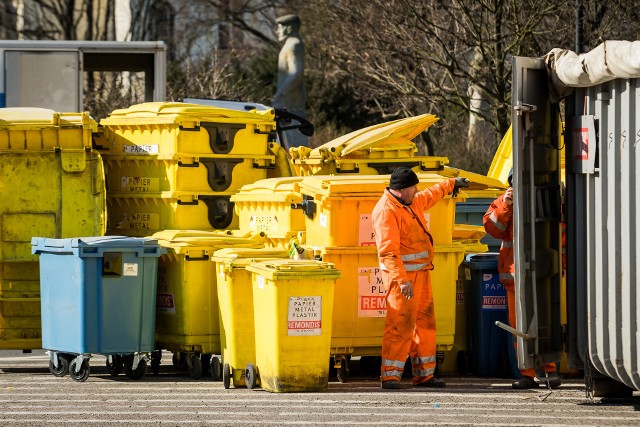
484 261
71 245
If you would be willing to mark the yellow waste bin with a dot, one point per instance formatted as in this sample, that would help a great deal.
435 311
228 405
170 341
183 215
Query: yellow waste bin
273 206
187 315
292 311
338 209
235 297
51 184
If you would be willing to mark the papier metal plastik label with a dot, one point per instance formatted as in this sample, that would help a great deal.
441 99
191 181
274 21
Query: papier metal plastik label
304 316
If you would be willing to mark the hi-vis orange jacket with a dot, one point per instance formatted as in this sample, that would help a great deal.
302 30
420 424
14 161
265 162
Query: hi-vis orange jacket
402 243
498 222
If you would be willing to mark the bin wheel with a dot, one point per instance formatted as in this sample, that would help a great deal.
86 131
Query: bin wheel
206 363
174 361
115 367
226 375
156 357
461 362
343 371
179 361
84 372
63 366
250 376
215 368
134 374
195 368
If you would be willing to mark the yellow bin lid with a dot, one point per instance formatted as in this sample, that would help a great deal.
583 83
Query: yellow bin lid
270 190
397 133
466 231
476 180
179 112
503 159
241 257
289 269
181 241
30 118
356 185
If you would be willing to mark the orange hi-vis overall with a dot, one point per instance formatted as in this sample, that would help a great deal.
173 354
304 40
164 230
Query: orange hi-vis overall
498 222
405 251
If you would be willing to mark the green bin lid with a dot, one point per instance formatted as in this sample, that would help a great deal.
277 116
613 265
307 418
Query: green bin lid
289 269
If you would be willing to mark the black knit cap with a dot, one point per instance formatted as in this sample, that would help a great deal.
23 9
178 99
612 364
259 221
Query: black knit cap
403 177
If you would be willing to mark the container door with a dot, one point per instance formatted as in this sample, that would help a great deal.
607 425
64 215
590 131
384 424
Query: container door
43 79
537 215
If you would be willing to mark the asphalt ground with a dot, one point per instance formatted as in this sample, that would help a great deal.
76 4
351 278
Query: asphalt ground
31 396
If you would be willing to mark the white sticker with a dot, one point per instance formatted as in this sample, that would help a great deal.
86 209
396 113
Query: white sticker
365 232
323 220
260 282
165 304
130 269
141 149
372 295
305 316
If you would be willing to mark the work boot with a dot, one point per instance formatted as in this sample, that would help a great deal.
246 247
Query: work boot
525 383
433 382
391 385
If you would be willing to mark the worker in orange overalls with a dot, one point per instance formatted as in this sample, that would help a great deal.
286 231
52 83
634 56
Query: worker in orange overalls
498 222
405 251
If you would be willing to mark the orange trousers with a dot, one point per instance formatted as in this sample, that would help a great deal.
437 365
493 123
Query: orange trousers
511 305
410 329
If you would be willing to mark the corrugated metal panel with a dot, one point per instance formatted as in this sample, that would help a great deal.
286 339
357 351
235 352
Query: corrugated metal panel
603 167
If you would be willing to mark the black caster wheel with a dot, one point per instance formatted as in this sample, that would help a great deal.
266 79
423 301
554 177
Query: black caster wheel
63 366
179 361
115 366
195 367
83 373
215 368
250 376
226 376
461 362
205 359
343 370
156 357
134 374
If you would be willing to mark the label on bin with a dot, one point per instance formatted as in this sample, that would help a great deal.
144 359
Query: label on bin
139 184
141 149
365 232
267 223
130 269
305 316
494 296
141 221
165 304
371 293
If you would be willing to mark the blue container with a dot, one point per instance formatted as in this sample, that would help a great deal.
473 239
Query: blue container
471 213
490 350
98 294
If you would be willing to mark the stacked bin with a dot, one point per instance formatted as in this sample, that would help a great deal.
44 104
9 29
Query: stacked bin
187 320
52 185
176 165
235 296
98 296
376 150
339 230
273 206
292 311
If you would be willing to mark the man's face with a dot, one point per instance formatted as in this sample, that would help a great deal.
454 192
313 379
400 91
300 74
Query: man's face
282 31
407 194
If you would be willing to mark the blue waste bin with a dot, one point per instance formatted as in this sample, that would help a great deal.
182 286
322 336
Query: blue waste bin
490 350
98 295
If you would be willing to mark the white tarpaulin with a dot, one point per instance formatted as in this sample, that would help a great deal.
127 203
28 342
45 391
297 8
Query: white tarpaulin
610 60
